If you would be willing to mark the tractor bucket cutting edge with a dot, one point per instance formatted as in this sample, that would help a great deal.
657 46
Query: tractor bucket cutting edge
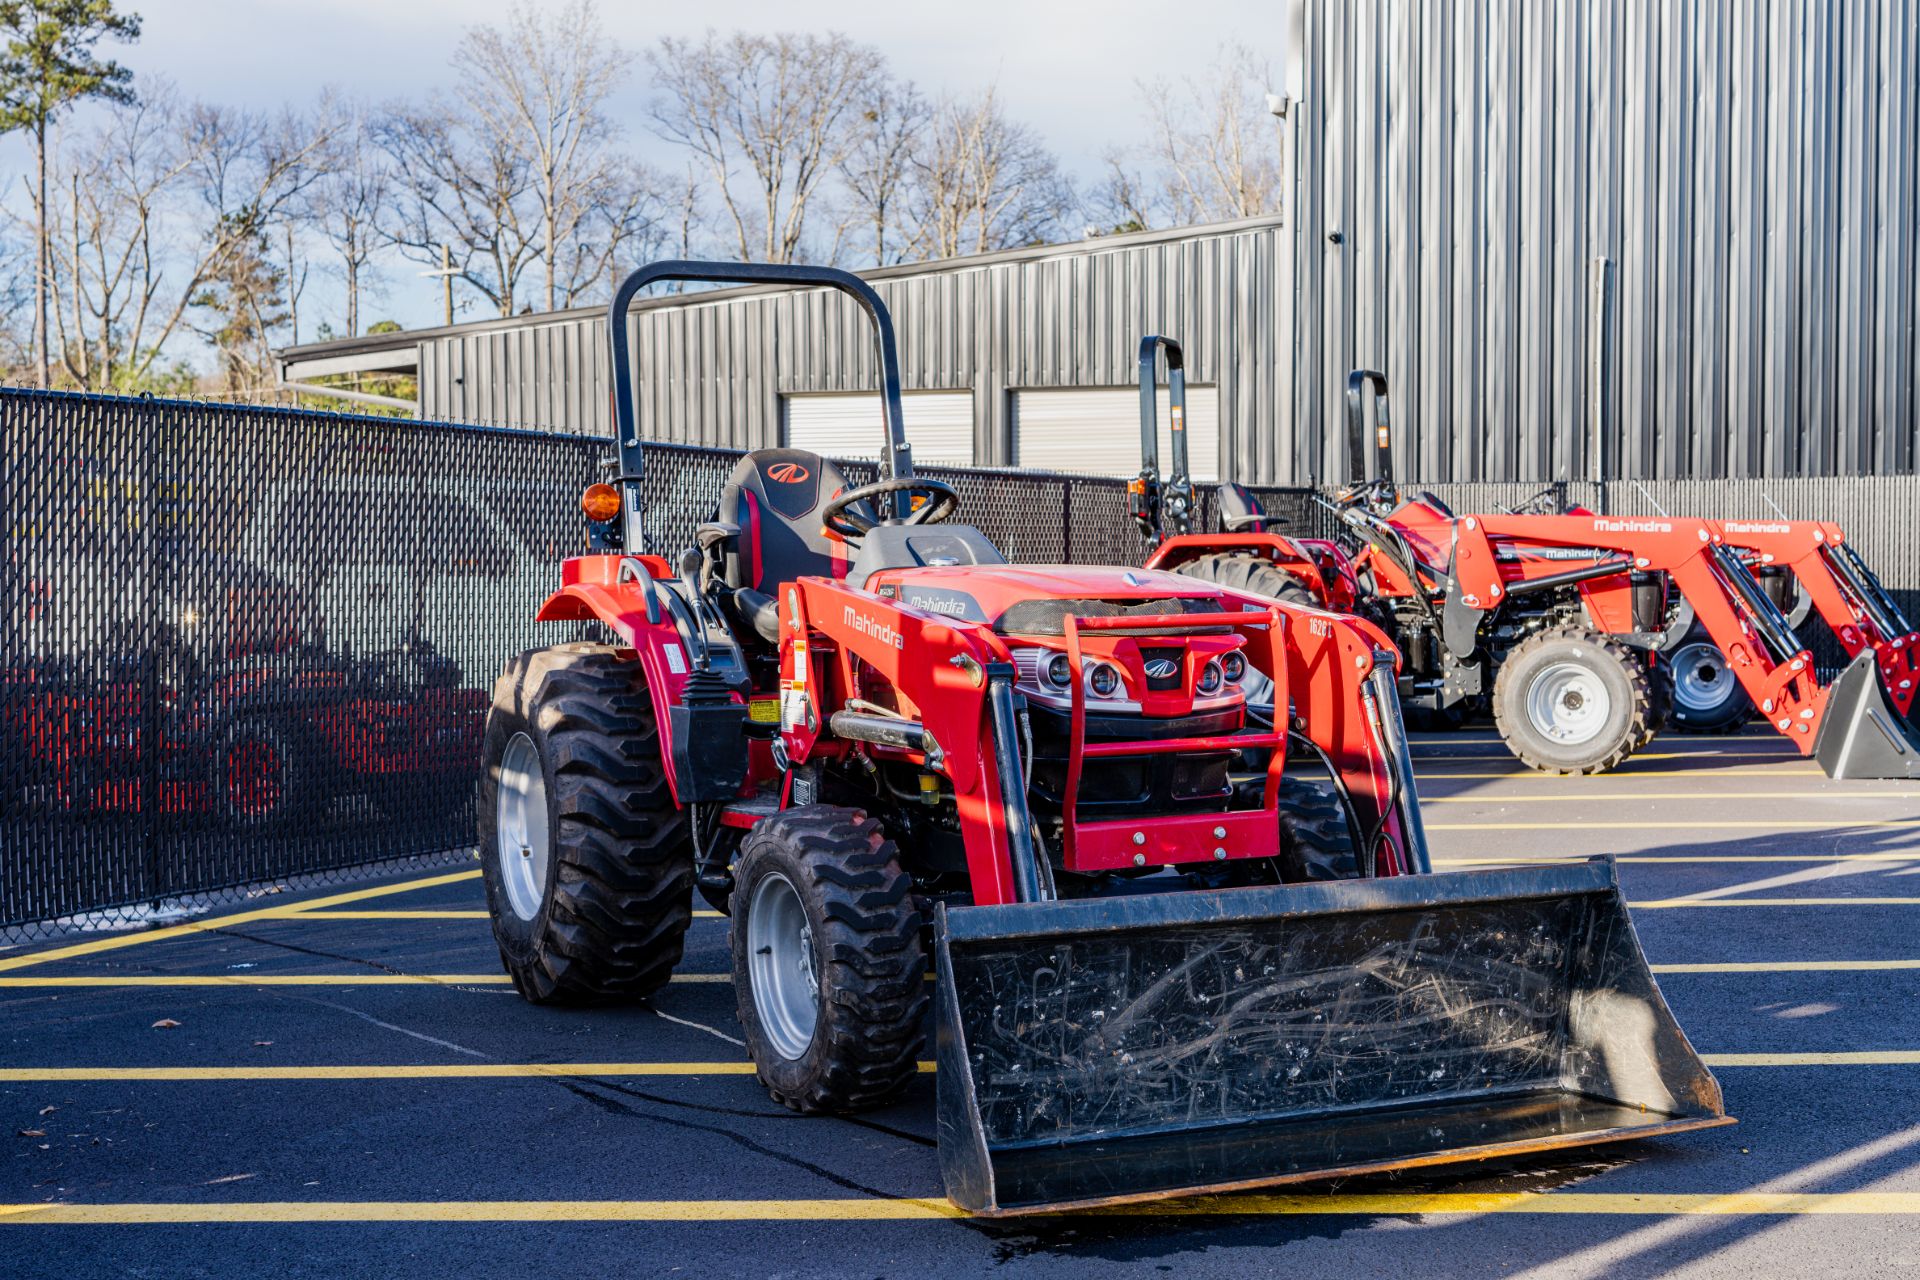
1862 734
1100 1051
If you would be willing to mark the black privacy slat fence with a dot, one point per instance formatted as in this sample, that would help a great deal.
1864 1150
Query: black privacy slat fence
246 646
243 645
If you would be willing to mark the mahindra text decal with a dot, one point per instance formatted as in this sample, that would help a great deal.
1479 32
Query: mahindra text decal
1735 527
788 473
1632 526
939 604
871 627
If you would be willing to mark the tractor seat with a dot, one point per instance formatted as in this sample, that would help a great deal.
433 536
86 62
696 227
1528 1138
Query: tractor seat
1241 512
775 497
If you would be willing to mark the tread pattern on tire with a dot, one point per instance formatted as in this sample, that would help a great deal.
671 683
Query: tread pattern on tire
1641 724
622 859
874 989
1255 574
1316 840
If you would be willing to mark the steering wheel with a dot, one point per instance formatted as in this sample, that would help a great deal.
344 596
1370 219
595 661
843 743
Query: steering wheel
941 501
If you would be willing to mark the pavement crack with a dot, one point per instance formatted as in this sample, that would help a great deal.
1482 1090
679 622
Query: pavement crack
615 1106
311 951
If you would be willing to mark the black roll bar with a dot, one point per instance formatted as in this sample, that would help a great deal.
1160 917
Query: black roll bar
896 459
1175 498
1357 384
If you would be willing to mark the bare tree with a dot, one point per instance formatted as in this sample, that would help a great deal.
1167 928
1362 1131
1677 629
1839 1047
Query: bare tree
878 167
539 88
349 202
1216 146
1124 201
519 170
161 200
984 182
769 118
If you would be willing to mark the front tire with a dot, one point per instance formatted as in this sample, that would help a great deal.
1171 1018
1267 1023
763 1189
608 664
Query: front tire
586 858
1705 696
829 968
1569 700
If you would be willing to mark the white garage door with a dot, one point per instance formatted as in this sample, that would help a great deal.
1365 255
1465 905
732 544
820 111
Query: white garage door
939 425
1097 431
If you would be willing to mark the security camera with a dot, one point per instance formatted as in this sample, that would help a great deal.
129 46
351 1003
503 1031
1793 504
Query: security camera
1277 104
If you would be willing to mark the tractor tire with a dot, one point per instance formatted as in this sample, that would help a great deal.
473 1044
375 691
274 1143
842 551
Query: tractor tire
829 965
1258 576
1316 840
587 861
1706 697
1255 574
1569 700
269 775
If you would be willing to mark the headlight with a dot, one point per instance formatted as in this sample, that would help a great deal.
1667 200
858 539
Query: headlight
1103 680
1060 671
1234 666
1211 678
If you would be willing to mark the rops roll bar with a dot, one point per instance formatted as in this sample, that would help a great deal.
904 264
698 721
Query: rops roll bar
896 459
1173 500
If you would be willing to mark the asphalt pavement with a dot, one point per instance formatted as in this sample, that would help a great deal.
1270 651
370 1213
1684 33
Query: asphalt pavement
340 1083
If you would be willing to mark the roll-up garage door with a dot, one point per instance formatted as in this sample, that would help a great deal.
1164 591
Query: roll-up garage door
1097 430
939 425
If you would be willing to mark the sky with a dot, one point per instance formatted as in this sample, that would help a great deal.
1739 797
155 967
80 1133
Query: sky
1067 69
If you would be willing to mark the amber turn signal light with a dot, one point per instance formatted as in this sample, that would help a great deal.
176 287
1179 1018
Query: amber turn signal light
601 502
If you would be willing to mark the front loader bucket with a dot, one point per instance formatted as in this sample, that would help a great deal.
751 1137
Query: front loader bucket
1862 734
1115 1049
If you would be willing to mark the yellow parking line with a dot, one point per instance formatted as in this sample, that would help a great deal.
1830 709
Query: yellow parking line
1526 858
399 1071
1861 1058
591 1070
417 915
1665 824
1567 797
876 1209
220 922
296 980
1736 771
1786 966
1774 902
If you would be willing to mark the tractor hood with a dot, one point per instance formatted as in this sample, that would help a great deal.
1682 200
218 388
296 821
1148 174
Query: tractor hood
987 593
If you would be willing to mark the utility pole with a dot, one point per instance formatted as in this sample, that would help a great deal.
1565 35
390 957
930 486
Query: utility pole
446 274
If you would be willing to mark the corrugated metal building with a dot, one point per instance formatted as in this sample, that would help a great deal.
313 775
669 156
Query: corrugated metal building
1713 205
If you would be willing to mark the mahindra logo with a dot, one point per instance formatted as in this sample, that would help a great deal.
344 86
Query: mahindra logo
788 473
1162 669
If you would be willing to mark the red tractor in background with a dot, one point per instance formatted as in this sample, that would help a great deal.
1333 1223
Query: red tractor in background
1175 948
1557 621
1249 554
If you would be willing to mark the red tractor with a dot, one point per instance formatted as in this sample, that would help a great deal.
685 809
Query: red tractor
1174 948
1250 553
1806 567
1556 621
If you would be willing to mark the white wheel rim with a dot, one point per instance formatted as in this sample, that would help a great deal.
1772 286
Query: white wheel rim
781 967
1568 704
520 827
1701 681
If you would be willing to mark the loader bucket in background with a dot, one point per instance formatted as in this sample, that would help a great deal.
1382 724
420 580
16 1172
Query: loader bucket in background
1862 734
1105 1050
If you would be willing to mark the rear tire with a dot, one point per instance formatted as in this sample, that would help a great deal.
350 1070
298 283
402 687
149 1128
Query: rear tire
269 775
1569 700
1704 694
829 969
587 861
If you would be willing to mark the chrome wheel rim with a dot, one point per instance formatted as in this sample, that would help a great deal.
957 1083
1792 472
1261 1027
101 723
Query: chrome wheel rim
1701 681
1568 704
781 966
521 846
